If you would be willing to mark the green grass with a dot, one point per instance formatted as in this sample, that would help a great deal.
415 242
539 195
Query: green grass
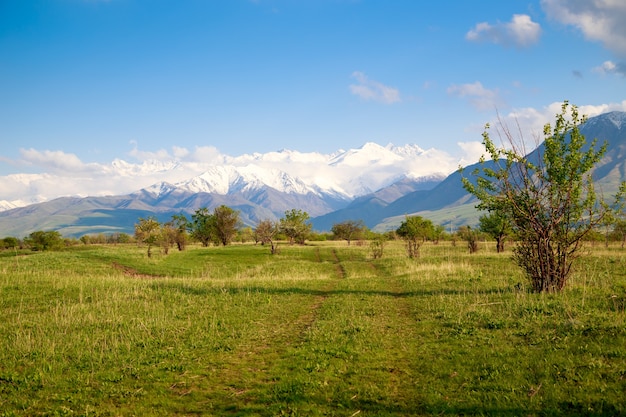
316 330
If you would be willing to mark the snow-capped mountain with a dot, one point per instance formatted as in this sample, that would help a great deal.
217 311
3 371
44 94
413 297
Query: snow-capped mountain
373 183
228 179
344 174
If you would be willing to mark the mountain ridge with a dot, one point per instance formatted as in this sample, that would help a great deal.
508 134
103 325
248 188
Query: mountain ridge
260 192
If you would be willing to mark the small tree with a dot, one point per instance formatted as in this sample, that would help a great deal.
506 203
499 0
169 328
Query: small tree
226 222
180 223
266 232
348 230
620 230
377 246
497 226
438 233
10 242
41 241
245 234
148 231
415 230
549 196
295 226
202 226
470 236
167 236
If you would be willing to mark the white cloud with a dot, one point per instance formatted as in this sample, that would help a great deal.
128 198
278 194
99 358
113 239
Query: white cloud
526 124
52 160
472 151
521 31
373 90
122 177
610 67
598 20
65 174
479 96
159 155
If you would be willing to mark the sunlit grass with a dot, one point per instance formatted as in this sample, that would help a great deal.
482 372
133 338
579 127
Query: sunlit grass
322 329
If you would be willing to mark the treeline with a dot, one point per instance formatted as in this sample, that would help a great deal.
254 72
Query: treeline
222 226
52 240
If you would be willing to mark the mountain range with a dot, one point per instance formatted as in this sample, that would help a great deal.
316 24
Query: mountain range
377 184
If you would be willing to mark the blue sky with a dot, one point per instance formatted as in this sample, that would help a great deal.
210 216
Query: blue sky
89 81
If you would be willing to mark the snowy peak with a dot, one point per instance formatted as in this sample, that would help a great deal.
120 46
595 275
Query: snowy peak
226 180
618 118
615 119
370 153
7 205
160 189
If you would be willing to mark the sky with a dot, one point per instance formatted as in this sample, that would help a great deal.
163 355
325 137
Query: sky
85 84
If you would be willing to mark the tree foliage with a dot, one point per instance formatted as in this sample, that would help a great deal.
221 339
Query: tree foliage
550 199
620 230
226 223
10 242
219 227
349 230
266 232
295 226
415 230
496 225
202 226
377 246
148 232
180 224
44 240
470 236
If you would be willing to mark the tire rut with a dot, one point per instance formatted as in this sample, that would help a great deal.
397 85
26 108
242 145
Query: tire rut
258 360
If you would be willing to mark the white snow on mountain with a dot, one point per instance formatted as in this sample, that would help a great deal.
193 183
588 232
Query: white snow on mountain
7 205
345 174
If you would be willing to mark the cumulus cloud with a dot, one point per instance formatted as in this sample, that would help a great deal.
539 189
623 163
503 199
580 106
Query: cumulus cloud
598 20
521 31
480 97
119 177
52 160
373 90
610 67
472 151
64 174
526 124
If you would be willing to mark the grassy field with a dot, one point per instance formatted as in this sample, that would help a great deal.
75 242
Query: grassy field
321 329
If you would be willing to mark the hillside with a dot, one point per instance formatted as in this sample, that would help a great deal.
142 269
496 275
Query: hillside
450 205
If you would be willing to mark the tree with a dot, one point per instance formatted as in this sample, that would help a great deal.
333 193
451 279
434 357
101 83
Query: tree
620 230
202 226
548 196
118 238
415 230
245 234
377 246
41 241
226 222
167 236
470 236
266 232
497 226
438 232
348 230
294 225
10 242
180 223
148 231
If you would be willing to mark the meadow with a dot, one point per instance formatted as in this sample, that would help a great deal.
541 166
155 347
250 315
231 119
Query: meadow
321 329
